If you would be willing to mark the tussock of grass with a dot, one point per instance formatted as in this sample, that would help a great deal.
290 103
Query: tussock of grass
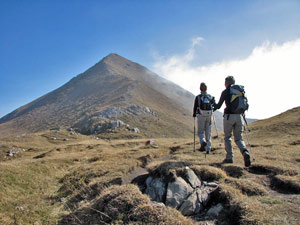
230 196
237 210
209 173
153 214
125 204
74 182
286 184
247 187
272 170
119 202
166 169
234 171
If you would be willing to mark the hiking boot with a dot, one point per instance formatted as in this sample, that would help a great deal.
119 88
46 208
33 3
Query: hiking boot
227 161
207 152
246 158
202 148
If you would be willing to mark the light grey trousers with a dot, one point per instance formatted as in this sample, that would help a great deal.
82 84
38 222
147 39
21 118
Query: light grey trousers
233 123
204 129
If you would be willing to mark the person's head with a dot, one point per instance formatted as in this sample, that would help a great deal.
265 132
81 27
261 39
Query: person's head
229 80
203 87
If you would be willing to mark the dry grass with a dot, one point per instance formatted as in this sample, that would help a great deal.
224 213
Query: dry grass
209 173
52 177
55 180
125 204
247 187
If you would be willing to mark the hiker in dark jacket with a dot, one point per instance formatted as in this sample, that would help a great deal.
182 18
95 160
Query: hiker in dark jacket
232 123
203 110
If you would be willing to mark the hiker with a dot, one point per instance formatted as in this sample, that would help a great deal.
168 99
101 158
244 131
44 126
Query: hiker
232 122
203 110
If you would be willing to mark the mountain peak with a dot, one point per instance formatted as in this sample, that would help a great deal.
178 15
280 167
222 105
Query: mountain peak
114 57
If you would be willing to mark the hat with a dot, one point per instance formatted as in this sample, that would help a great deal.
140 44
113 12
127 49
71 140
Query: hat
230 80
203 86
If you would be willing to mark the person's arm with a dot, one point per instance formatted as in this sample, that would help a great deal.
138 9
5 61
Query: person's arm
195 107
220 103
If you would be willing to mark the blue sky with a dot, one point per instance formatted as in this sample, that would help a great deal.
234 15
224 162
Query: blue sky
43 44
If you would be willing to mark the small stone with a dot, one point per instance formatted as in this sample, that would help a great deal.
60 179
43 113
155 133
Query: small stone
159 204
213 185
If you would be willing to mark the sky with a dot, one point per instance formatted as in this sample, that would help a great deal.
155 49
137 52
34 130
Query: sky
44 44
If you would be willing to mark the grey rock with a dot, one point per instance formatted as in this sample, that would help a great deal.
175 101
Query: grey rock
177 192
204 194
192 178
189 205
215 210
155 189
116 124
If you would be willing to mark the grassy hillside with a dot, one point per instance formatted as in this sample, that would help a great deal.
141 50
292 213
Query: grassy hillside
69 179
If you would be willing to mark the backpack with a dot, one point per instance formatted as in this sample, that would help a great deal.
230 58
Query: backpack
238 100
205 102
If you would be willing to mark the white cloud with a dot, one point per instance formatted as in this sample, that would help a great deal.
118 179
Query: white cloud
270 74
196 41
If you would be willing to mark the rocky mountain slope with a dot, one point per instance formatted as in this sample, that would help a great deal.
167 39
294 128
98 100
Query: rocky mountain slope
114 84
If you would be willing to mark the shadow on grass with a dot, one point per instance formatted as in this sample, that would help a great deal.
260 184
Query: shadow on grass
284 186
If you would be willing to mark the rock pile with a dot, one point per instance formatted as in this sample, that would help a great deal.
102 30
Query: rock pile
14 150
183 191
107 120
134 110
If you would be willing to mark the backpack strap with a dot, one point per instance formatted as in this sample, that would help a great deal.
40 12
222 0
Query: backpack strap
236 96
199 99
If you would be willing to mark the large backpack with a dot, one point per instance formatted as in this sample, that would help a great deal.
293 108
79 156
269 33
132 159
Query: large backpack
205 102
238 100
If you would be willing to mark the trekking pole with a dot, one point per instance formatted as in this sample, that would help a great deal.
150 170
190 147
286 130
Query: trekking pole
249 143
214 119
194 135
245 129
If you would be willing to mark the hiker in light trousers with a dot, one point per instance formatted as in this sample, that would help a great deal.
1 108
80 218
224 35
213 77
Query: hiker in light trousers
233 123
203 110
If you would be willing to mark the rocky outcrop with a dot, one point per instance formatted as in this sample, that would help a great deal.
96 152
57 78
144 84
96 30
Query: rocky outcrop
134 110
182 190
107 120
